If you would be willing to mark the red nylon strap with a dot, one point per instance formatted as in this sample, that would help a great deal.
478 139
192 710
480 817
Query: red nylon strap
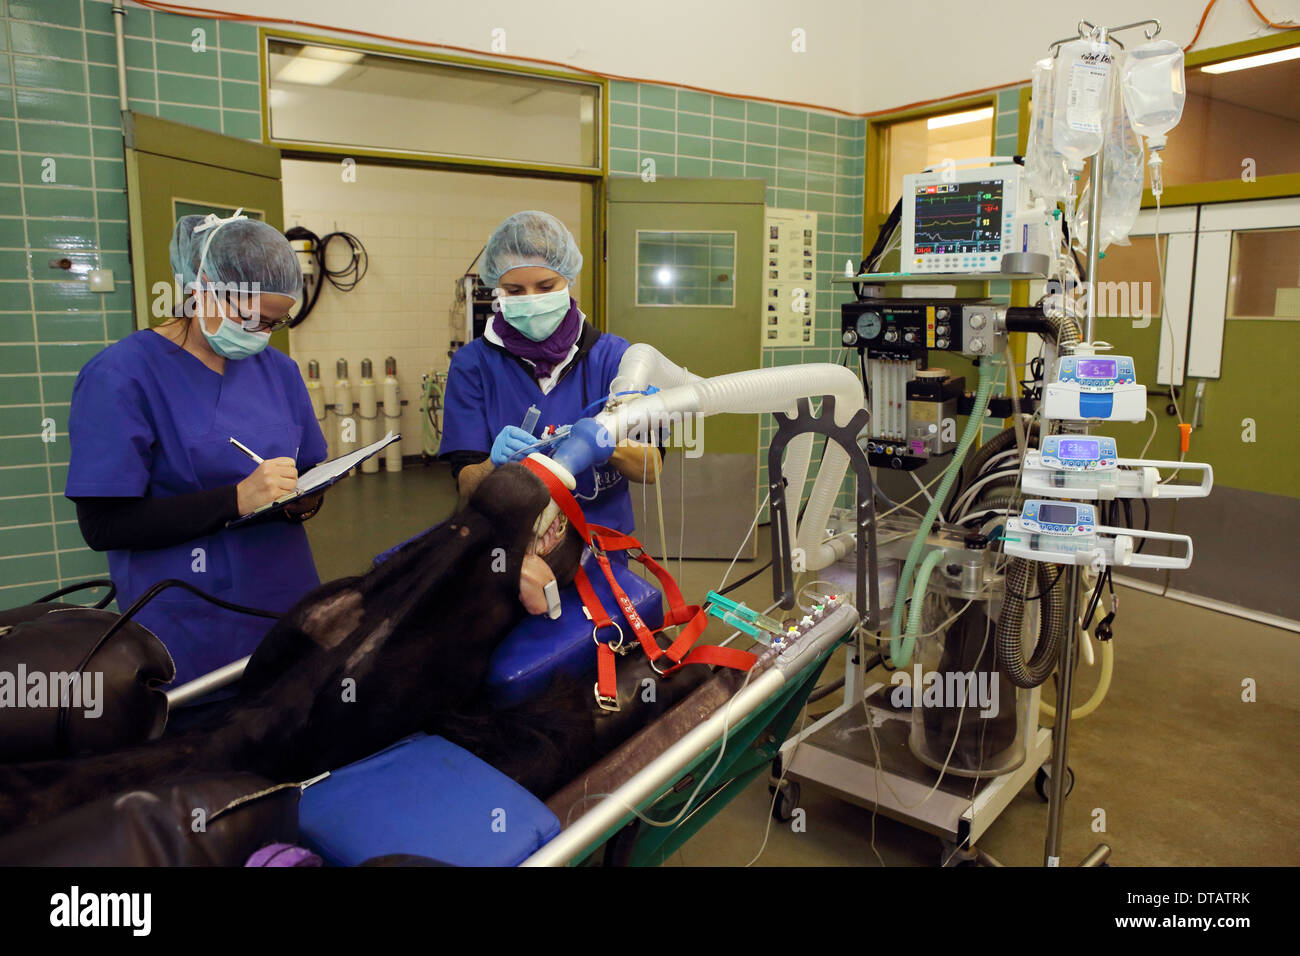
599 616
644 635
719 657
561 496
607 539
606 679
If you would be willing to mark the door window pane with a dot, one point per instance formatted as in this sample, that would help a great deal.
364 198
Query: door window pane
686 269
1264 275
1129 285
912 145
1245 120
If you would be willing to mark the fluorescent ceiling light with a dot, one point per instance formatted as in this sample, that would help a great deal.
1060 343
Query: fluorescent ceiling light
318 66
957 119
1248 62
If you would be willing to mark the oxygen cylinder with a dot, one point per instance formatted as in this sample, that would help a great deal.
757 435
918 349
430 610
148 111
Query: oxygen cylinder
316 393
392 414
343 409
368 414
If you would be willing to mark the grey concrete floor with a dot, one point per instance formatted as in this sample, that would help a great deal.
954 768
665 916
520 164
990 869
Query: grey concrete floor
1186 771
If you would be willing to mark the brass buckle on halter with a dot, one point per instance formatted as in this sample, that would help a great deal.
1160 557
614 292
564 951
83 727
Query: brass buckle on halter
604 703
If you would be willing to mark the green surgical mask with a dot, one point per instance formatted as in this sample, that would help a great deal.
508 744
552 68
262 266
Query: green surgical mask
536 316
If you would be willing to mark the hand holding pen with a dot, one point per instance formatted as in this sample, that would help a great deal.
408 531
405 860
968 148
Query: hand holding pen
273 478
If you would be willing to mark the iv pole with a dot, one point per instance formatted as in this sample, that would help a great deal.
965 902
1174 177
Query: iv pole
1070 646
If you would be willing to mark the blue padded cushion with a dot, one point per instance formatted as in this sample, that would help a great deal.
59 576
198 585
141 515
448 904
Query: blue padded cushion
427 797
540 648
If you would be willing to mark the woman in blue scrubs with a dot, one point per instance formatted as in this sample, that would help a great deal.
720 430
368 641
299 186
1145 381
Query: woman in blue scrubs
153 472
538 349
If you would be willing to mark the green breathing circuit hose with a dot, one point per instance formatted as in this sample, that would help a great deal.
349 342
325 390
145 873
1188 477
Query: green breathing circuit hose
900 647
922 582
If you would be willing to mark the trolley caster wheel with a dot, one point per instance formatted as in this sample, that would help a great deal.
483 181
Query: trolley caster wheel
787 801
1043 778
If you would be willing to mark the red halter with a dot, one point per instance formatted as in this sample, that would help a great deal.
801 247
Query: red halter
602 540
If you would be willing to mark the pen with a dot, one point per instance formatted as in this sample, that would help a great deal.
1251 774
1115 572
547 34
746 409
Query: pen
246 450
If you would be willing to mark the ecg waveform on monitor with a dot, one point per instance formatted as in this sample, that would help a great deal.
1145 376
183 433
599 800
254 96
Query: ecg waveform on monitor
958 218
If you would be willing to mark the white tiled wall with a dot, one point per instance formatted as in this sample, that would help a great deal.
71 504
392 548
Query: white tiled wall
421 229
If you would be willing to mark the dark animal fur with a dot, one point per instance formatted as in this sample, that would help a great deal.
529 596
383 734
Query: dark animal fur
413 636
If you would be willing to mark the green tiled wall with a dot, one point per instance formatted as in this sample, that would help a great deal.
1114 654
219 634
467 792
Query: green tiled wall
59 118
810 160
62 197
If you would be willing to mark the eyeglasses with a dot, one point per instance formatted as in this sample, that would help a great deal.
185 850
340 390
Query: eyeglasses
245 317
275 326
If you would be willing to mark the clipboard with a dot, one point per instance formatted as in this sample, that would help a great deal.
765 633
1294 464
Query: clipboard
319 478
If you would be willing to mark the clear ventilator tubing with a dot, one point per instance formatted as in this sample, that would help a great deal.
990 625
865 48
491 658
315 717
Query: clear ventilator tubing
798 457
749 392
644 365
900 649
812 529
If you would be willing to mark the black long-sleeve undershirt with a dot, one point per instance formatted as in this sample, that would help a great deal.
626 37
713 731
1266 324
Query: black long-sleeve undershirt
143 524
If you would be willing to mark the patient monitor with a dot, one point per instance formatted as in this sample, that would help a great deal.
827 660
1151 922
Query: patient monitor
967 220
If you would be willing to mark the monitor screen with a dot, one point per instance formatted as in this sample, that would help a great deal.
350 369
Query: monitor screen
1057 514
1087 448
956 218
1096 368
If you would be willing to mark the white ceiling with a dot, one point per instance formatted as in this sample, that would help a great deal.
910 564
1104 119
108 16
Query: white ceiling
859 55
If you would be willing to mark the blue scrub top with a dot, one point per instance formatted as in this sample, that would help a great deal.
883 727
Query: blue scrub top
488 389
149 419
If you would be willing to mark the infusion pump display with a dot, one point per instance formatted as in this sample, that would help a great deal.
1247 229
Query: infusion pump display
959 221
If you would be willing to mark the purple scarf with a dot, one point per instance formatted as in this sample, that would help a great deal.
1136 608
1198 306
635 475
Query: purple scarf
550 351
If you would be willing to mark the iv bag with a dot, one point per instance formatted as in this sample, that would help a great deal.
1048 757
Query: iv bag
1045 172
1083 86
1154 89
1121 181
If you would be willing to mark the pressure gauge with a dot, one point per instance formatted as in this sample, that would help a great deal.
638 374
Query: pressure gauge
869 326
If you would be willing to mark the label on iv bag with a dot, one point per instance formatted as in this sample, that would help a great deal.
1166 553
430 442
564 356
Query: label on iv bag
1083 101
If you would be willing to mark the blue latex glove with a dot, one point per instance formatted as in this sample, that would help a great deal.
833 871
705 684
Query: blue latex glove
509 442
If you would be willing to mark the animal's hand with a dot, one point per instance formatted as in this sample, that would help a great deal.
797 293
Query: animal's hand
533 577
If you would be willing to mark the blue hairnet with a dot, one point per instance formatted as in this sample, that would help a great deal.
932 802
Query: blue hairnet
242 251
530 238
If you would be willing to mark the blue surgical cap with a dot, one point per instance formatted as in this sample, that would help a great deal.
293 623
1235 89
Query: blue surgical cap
242 251
530 238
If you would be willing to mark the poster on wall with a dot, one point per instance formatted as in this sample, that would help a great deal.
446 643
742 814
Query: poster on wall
789 277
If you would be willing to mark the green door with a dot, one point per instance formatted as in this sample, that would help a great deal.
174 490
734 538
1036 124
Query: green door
175 170
683 275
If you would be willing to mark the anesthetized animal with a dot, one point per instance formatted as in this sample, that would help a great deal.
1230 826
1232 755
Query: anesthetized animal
362 662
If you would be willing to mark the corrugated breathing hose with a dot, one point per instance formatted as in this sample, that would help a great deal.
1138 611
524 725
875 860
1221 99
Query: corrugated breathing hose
1009 645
